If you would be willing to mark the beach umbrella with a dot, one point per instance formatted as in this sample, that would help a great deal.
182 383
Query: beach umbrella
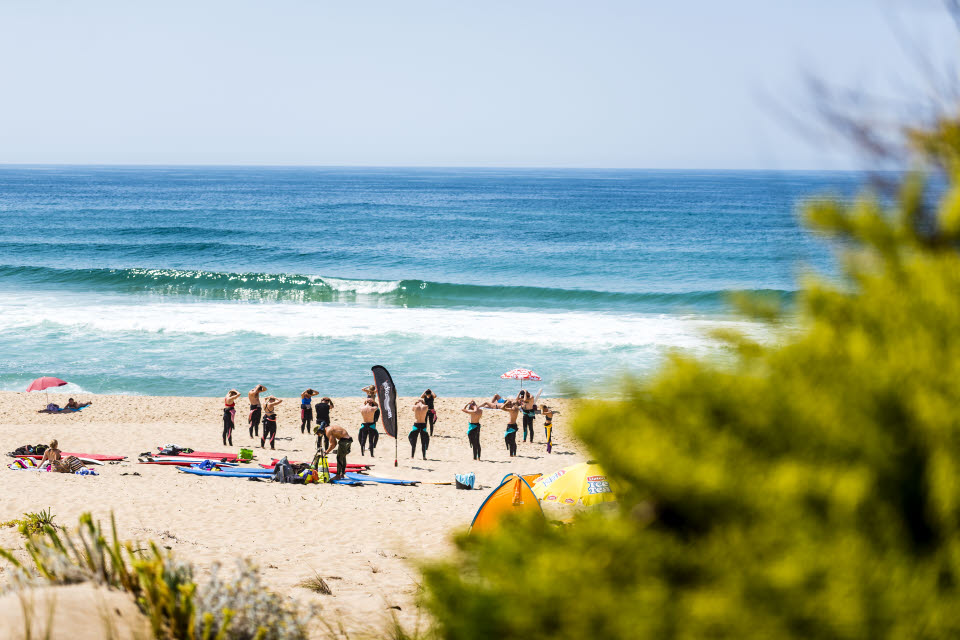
521 375
44 383
576 486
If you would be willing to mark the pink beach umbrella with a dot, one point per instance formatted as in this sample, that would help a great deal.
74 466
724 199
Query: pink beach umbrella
44 383
521 375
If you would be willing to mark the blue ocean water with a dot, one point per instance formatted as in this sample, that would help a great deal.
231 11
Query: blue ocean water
192 280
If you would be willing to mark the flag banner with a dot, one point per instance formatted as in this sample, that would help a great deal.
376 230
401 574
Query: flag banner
387 394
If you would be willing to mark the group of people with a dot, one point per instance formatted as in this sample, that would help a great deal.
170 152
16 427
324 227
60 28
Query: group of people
524 403
333 437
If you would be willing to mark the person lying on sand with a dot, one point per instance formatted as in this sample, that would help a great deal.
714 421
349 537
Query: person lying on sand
341 441
368 434
253 419
420 412
473 410
75 406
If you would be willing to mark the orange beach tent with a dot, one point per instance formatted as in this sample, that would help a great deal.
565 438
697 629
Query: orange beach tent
514 495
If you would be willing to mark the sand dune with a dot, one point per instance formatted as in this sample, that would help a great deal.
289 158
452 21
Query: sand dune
363 540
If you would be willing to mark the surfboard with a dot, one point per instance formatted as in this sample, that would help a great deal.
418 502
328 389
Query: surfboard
240 474
83 456
406 483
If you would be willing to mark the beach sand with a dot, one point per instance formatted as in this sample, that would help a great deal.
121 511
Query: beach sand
364 541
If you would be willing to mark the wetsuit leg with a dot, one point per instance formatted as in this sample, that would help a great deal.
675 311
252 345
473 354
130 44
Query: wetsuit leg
362 436
374 437
228 426
431 420
527 425
424 443
474 437
413 441
273 433
254 420
511 440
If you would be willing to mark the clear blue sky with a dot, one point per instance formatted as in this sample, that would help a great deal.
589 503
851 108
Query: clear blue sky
586 83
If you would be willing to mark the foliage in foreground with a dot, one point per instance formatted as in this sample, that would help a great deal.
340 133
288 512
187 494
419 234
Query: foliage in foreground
177 607
808 489
32 522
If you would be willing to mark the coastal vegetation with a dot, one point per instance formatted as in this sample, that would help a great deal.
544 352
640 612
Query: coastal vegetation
809 487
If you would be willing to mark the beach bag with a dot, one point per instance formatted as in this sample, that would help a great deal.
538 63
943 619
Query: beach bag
284 473
465 480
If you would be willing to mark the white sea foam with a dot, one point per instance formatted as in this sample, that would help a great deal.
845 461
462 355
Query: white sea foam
577 330
368 287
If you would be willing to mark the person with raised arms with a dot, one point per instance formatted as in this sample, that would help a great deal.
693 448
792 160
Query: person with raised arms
253 419
229 415
510 435
420 412
368 427
322 407
429 397
473 410
526 400
306 411
269 422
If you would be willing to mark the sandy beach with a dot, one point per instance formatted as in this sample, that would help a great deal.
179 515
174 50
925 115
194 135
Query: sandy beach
364 541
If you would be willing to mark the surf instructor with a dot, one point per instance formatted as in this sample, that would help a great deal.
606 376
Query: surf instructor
341 441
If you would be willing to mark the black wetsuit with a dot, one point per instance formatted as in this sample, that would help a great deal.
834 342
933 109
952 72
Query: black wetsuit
419 428
323 421
254 419
528 423
473 435
229 412
269 429
510 437
306 415
431 414
343 448
368 436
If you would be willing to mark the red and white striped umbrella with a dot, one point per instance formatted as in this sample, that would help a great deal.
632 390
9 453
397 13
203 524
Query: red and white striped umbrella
521 375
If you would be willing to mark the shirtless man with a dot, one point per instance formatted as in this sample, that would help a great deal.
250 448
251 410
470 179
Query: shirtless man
341 441
229 415
371 391
269 421
473 410
512 408
253 419
420 411
368 427
525 398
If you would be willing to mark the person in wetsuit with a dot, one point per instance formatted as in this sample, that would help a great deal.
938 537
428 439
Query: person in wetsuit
322 407
525 399
368 427
510 435
306 411
341 441
229 415
547 414
428 398
473 427
269 422
420 412
253 418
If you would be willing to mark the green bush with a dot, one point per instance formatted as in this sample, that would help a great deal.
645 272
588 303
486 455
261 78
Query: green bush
809 488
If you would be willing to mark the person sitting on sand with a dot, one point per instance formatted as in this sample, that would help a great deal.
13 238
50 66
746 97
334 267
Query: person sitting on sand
323 420
229 415
306 411
253 418
368 427
54 456
429 397
341 441
473 428
510 435
269 421
420 412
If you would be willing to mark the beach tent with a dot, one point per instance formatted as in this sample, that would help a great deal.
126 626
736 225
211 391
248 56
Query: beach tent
514 495
577 486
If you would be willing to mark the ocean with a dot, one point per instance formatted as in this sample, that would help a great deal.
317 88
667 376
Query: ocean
194 280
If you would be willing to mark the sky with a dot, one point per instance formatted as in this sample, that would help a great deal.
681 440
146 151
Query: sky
521 83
